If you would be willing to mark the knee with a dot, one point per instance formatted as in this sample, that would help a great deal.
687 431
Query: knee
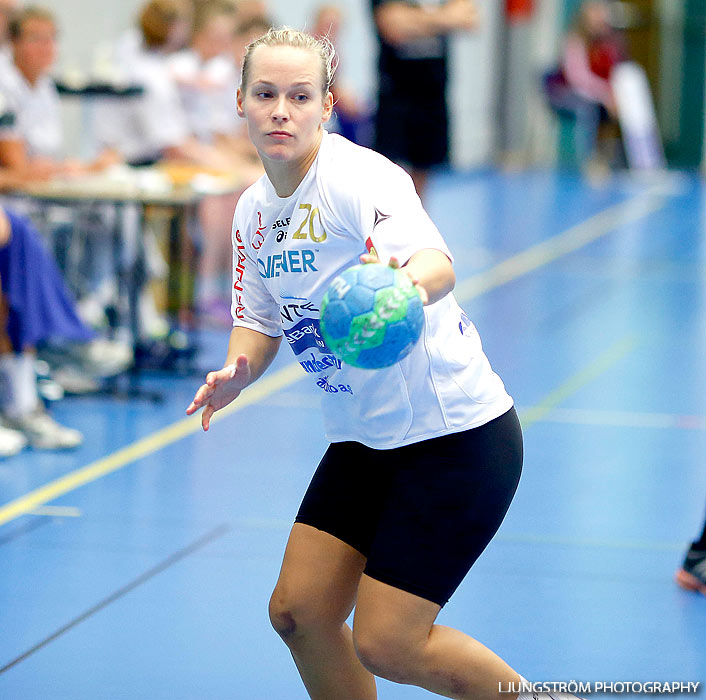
386 654
294 618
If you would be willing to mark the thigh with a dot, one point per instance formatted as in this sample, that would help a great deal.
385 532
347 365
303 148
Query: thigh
448 501
348 493
319 576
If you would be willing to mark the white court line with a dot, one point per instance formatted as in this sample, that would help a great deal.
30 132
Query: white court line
568 241
624 419
57 511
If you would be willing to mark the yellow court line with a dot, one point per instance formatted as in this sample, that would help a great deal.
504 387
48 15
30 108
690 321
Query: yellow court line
531 259
147 445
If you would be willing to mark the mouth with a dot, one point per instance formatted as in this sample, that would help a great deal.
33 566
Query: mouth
279 135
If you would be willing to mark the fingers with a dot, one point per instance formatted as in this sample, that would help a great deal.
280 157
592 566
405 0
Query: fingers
203 394
367 258
208 411
423 295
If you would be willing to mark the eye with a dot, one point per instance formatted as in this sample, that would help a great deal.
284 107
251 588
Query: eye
263 94
301 97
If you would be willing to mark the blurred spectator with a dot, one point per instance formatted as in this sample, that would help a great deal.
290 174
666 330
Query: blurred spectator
249 28
33 143
156 127
250 9
35 308
206 72
411 125
581 86
352 118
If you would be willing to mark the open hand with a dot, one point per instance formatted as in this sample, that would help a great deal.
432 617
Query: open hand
221 387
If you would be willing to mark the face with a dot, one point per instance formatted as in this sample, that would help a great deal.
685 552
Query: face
597 18
216 37
35 48
283 102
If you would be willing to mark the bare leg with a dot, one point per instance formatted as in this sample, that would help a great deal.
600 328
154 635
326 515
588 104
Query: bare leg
313 598
396 638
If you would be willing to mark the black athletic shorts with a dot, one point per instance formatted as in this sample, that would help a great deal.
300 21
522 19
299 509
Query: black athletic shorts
423 513
413 129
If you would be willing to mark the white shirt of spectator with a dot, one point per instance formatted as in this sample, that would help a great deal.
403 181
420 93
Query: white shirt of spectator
207 90
140 128
37 112
287 252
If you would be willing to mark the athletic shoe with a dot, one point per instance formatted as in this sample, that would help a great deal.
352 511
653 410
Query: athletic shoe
692 575
44 433
102 357
11 441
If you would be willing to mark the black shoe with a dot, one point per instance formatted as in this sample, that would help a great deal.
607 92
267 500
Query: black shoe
692 575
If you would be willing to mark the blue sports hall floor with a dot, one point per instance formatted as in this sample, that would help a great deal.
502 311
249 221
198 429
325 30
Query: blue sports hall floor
140 566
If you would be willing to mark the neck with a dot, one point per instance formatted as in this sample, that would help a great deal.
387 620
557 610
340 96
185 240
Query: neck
286 176
29 75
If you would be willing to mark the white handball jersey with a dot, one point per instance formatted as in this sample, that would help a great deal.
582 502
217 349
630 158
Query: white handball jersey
288 250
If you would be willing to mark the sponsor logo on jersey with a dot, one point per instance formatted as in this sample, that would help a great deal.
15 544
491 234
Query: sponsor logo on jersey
466 326
283 226
314 365
379 217
323 383
287 261
238 273
291 311
259 236
304 335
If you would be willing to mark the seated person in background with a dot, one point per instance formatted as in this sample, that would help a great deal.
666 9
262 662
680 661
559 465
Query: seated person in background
154 126
581 87
249 9
33 144
205 72
34 307
352 118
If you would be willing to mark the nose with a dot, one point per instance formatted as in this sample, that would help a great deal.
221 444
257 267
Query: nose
280 112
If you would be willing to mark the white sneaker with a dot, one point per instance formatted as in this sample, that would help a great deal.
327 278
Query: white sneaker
11 441
102 357
44 433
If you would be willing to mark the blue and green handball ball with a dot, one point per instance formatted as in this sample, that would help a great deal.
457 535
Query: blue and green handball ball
371 316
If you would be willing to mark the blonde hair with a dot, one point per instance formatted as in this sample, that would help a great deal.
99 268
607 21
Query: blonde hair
285 36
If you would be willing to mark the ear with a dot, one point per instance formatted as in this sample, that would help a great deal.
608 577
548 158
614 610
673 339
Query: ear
239 104
328 107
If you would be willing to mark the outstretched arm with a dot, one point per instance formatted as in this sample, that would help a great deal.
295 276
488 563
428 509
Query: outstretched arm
399 22
250 353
